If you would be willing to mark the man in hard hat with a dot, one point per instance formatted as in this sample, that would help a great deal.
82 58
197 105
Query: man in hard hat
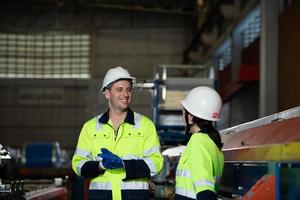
119 150
201 164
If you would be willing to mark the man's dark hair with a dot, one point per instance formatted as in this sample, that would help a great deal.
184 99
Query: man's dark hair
109 85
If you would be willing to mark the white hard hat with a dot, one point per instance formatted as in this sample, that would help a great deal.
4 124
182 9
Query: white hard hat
204 103
115 74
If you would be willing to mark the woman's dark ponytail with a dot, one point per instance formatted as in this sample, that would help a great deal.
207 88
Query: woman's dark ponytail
207 127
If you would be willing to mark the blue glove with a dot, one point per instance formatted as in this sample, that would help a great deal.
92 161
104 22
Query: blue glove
110 160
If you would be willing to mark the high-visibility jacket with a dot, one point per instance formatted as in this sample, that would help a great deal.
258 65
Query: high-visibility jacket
136 142
200 167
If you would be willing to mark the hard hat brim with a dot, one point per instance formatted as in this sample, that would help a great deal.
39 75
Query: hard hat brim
133 79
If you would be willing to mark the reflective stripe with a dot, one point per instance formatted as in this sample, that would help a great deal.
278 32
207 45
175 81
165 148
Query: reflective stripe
83 153
152 150
137 120
184 173
134 185
100 186
146 153
98 125
217 178
79 166
151 165
187 174
204 183
148 161
185 192
130 157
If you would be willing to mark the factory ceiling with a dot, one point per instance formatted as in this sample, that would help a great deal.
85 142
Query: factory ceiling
185 7
210 18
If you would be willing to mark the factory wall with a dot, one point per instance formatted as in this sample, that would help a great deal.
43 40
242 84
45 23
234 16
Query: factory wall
54 110
42 111
288 59
134 39
140 50
241 109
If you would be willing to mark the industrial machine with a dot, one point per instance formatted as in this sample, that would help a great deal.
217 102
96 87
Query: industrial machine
262 158
40 155
5 191
38 178
171 85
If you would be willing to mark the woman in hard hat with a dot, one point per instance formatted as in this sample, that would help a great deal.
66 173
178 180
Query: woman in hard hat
201 164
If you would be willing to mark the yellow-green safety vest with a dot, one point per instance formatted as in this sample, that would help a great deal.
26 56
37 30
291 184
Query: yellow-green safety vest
200 167
138 141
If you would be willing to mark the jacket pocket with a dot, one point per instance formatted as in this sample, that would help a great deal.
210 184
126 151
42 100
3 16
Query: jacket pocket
133 134
100 140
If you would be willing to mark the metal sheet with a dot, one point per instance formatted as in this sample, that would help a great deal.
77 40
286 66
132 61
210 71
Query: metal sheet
279 132
291 113
276 152
187 83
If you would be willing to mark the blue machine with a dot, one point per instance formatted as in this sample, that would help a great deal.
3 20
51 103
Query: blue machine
39 155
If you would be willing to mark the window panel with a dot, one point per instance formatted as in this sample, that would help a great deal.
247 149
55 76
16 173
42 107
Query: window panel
50 55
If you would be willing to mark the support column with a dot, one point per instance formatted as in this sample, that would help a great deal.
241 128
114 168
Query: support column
236 49
268 57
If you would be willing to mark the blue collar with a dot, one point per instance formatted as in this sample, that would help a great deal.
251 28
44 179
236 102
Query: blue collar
129 117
